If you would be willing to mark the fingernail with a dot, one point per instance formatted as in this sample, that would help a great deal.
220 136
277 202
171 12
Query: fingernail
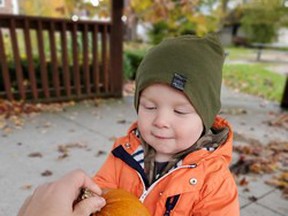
102 200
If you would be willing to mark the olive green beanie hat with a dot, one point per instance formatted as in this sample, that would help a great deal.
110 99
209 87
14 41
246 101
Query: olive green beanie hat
190 64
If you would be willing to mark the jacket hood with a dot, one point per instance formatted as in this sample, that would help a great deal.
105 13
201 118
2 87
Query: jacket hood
224 151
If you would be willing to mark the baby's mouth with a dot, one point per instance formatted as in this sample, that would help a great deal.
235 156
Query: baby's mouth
161 137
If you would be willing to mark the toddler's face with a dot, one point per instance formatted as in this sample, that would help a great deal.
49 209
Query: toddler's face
167 121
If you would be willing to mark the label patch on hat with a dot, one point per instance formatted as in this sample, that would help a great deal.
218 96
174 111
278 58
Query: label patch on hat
178 81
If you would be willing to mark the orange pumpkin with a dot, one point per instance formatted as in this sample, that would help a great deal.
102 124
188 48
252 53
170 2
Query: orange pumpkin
121 203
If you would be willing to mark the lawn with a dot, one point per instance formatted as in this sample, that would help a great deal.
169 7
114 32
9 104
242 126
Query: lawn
240 53
244 74
254 79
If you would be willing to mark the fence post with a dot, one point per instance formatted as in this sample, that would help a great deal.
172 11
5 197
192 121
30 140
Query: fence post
116 47
284 102
5 69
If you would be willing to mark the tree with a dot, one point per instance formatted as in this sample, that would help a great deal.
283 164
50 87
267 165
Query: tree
40 8
262 19
171 17
88 8
66 8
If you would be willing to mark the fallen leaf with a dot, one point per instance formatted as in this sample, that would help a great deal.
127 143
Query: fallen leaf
123 121
35 154
241 166
14 111
243 182
253 198
280 121
65 148
63 155
261 159
246 189
100 152
27 187
46 173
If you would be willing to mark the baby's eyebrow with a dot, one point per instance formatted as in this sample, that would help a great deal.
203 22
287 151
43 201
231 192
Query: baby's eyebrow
185 106
143 96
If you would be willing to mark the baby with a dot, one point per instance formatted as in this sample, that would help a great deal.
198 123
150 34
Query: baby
176 156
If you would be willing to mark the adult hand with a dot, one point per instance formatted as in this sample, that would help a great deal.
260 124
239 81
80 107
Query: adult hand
57 198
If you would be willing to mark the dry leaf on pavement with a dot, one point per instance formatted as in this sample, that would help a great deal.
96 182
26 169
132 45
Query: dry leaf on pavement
35 154
100 152
46 173
27 187
261 159
64 149
280 121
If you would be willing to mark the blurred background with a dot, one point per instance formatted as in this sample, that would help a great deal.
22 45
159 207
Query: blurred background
254 33
55 53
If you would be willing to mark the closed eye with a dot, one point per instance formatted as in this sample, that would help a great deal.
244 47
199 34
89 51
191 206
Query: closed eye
180 112
149 107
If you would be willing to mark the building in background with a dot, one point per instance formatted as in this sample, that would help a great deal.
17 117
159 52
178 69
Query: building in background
9 7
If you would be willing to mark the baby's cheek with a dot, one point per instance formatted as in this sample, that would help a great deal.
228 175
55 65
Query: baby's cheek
142 129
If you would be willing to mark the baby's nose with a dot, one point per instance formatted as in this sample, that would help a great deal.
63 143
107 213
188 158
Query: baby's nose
161 120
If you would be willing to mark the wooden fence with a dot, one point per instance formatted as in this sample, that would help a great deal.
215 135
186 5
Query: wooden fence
48 59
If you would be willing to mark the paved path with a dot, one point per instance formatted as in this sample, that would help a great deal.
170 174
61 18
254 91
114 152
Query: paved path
50 144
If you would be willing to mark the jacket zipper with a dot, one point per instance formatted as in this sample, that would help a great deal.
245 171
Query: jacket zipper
146 192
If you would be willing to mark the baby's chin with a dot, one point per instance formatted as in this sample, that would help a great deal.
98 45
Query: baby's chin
161 158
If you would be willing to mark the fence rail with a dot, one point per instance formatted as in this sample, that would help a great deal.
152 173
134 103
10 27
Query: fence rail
48 59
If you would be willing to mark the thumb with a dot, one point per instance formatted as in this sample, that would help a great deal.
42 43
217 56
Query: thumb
24 206
89 206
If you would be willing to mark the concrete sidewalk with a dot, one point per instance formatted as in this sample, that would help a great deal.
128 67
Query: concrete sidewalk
51 144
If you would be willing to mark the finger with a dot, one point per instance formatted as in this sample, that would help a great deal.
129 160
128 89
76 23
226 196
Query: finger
91 185
24 206
78 179
89 206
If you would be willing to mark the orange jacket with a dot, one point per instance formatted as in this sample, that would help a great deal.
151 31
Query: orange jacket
202 185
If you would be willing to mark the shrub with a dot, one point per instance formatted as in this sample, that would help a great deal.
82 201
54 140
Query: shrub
132 59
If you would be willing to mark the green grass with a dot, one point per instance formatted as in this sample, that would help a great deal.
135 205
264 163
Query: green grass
236 53
254 79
